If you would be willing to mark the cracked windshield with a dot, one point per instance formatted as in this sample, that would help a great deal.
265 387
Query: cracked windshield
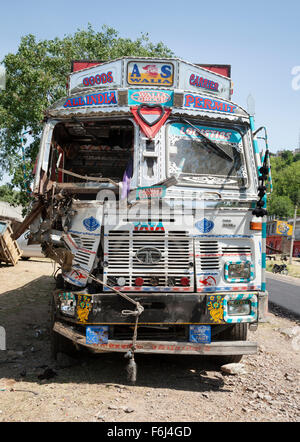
193 159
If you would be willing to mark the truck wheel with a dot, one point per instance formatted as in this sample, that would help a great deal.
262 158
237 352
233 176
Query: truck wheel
59 281
58 343
237 332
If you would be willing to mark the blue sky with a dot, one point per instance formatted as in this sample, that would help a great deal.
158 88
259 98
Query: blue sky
260 39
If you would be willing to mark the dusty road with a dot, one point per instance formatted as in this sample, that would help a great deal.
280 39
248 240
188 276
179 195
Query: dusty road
284 291
168 388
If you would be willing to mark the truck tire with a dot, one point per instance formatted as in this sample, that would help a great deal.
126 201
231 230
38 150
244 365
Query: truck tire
236 332
59 281
58 343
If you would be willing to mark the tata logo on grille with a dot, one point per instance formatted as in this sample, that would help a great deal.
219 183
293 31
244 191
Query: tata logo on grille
148 255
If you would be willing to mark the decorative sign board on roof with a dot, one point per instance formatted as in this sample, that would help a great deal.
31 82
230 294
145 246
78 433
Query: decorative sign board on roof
106 74
196 79
150 73
137 72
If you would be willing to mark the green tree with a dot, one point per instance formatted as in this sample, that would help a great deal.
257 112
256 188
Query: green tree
280 205
286 184
36 77
287 156
8 194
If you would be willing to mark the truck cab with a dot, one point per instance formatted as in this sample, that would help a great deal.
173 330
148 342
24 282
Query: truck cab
146 184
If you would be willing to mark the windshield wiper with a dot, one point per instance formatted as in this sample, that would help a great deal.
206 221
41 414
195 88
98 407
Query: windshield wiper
215 146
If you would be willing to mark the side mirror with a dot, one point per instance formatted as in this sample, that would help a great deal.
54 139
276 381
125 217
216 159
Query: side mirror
264 177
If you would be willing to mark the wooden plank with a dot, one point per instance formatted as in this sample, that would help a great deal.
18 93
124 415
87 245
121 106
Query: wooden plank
9 249
37 208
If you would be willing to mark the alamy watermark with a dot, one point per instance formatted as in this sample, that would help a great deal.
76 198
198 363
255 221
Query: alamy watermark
2 338
296 80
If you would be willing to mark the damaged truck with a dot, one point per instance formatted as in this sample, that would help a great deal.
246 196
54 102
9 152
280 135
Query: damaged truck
149 195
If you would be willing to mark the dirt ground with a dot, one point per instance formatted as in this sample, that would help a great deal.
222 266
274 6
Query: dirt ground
168 388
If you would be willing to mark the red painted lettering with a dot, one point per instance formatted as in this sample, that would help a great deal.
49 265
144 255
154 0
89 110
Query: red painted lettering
68 103
111 98
192 79
110 77
207 104
199 102
189 99
100 98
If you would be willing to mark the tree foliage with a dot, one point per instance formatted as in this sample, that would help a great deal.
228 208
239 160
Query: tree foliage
286 184
8 194
36 77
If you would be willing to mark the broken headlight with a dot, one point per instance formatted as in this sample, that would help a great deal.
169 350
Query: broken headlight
239 308
238 271
67 304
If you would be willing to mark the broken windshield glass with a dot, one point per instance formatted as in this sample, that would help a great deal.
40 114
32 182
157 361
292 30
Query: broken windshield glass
206 155
209 142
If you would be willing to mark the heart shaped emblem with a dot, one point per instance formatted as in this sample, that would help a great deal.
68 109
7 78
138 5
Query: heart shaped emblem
150 114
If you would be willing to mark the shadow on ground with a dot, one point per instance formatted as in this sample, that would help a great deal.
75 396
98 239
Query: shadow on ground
24 313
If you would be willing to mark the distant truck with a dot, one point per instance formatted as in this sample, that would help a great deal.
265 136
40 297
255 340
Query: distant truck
149 194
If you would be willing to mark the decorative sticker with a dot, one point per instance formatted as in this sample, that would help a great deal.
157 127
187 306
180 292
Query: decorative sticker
208 281
136 96
215 308
97 335
78 276
213 133
204 225
150 73
143 193
91 224
84 306
67 297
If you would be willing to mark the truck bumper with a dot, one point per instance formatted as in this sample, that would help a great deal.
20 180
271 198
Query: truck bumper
162 308
221 348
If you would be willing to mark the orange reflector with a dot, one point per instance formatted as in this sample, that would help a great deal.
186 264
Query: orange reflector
255 226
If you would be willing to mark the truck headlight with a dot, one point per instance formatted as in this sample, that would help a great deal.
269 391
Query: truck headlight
68 310
238 308
67 304
238 271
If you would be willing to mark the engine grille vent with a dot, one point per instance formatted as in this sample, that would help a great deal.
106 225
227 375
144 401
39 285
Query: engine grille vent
176 250
207 255
241 250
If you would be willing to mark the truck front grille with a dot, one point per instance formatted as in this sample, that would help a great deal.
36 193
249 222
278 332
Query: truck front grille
176 250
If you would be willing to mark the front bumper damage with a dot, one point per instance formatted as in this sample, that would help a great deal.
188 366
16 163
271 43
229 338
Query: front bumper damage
221 348
160 310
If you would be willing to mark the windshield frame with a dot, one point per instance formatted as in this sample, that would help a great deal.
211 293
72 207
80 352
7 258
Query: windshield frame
241 129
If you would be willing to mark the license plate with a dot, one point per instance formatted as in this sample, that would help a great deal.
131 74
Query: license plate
97 335
201 334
